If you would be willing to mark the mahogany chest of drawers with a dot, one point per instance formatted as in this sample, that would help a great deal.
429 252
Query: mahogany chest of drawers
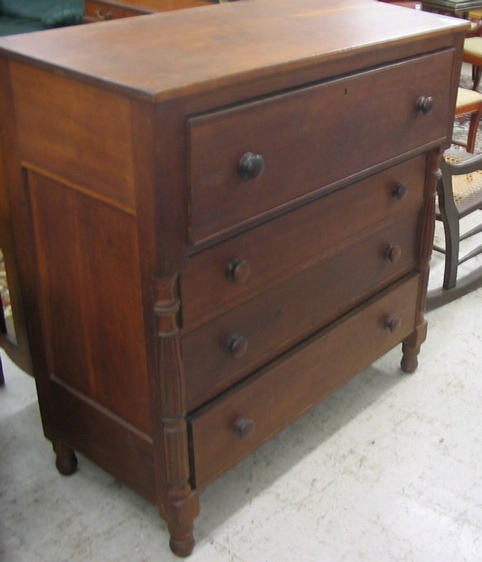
220 215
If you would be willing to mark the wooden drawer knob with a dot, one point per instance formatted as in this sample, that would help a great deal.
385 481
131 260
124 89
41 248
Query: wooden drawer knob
400 190
244 427
251 166
393 253
393 323
424 104
237 346
238 271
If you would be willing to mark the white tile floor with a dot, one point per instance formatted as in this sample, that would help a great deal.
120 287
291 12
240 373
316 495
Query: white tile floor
387 469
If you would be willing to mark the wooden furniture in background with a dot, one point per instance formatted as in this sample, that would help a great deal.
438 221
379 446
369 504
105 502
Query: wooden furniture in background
460 8
472 54
211 236
104 10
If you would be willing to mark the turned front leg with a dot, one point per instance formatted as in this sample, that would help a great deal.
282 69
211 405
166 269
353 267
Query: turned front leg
411 348
179 503
181 523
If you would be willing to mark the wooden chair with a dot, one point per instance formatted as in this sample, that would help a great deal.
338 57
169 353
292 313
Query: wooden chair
473 55
469 102
459 195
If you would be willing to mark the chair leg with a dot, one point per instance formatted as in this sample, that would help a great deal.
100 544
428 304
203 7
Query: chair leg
450 221
451 255
476 77
473 130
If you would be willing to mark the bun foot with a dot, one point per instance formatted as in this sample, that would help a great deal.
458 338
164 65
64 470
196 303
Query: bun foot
66 461
182 547
409 363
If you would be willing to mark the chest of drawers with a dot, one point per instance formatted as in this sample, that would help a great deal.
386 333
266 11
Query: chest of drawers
216 229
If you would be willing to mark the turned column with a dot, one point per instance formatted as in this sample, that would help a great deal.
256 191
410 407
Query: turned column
411 345
182 505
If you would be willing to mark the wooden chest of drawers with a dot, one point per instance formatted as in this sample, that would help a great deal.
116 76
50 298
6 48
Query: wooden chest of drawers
216 229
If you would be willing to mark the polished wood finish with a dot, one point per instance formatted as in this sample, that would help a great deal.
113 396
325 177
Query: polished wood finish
211 237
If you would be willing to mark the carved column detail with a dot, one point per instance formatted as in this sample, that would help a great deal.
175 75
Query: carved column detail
411 346
183 505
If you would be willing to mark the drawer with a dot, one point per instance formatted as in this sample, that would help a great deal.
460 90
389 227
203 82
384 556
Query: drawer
229 273
236 424
231 346
311 138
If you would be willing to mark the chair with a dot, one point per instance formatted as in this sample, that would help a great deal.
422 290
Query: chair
23 16
459 195
472 54
469 102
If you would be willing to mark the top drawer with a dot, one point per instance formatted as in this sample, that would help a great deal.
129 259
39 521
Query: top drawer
310 138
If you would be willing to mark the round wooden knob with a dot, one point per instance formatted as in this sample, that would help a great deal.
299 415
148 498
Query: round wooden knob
393 253
400 190
244 427
238 271
251 166
393 323
424 104
237 346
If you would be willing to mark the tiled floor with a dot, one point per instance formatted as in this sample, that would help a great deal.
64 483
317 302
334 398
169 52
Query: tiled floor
387 469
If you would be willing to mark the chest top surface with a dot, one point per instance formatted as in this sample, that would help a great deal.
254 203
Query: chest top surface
167 55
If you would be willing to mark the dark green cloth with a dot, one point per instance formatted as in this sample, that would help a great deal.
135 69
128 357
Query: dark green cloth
11 26
22 16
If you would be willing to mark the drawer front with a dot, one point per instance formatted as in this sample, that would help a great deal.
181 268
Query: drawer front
311 138
237 269
228 348
296 382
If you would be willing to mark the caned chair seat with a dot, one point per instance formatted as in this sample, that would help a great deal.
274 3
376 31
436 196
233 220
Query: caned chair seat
459 194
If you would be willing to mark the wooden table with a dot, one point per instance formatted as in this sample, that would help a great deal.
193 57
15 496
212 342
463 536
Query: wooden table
213 236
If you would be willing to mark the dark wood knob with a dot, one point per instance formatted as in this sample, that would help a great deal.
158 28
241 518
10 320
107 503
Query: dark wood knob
400 190
424 104
393 323
238 271
251 166
237 346
244 427
393 253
